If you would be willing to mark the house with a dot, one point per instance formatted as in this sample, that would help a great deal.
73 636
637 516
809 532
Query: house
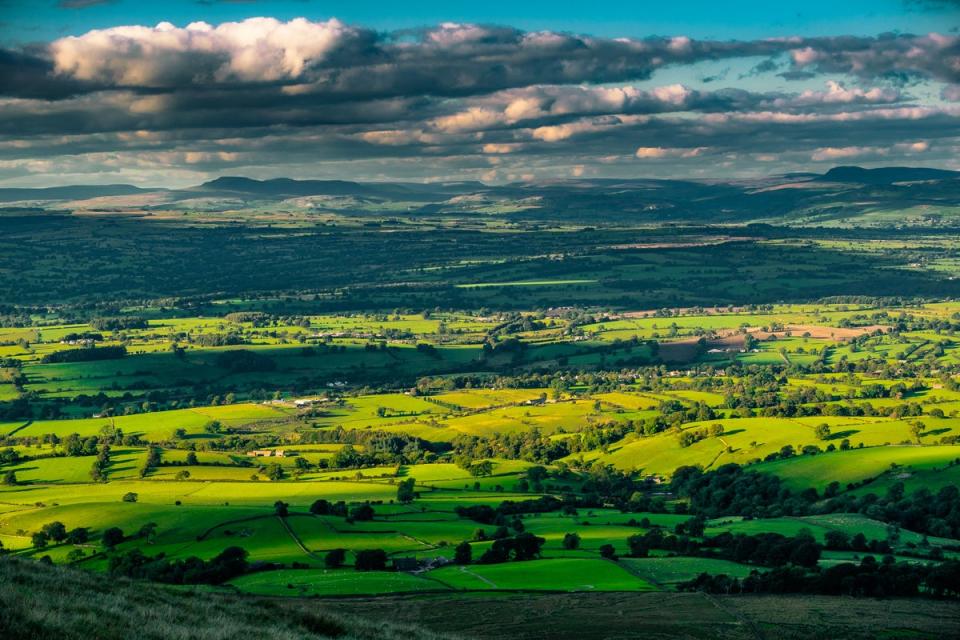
260 453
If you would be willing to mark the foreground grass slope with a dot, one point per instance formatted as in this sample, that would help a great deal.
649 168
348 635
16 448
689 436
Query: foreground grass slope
38 601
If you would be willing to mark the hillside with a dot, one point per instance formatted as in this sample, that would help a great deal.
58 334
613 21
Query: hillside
38 602
881 197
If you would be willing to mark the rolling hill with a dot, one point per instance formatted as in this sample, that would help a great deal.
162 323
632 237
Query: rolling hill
843 196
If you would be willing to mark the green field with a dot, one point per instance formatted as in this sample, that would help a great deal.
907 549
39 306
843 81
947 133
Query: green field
488 426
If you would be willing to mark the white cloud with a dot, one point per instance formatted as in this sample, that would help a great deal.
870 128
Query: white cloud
838 153
256 49
494 147
645 153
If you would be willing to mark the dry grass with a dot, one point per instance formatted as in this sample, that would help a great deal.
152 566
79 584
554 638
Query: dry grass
40 602
662 616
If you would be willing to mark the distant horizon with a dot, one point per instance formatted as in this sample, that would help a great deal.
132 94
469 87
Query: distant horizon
427 181
114 91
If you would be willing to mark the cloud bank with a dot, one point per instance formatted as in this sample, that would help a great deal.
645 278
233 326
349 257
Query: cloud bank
264 96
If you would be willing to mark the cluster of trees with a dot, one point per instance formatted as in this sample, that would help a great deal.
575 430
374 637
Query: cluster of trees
86 354
245 361
228 564
869 578
485 514
523 546
530 445
98 471
57 532
152 460
767 549
732 490
90 336
118 323
379 447
361 512
217 339
688 437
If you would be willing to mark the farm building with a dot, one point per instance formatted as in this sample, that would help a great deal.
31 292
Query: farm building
266 453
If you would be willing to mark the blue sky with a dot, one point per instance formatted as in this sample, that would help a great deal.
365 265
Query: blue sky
26 20
125 91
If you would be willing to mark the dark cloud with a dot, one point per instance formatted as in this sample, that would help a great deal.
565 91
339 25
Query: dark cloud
342 62
25 74
458 98
794 76
891 55
722 75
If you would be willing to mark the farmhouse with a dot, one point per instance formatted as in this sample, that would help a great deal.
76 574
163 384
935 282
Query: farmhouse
266 453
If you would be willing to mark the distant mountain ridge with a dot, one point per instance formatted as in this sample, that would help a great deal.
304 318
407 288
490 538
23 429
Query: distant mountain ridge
290 188
72 192
842 195
886 175
282 188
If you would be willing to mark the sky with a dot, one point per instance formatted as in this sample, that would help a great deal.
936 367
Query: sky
177 92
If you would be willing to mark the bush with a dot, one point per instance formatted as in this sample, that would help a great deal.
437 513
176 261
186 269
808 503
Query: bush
335 558
371 560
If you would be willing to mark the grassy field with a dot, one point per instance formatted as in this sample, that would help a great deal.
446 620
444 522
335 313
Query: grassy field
430 386
567 574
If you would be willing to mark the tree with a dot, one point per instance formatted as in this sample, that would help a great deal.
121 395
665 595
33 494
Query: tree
275 472
79 535
478 469
822 431
281 508
148 531
320 507
183 474
40 540
916 430
362 512
10 478
55 530
191 458
463 554
526 546
837 540
639 547
607 551
571 541
130 497
335 558
112 537
405 491
75 555
371 560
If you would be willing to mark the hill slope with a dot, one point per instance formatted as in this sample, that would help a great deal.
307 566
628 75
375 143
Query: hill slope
41 602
